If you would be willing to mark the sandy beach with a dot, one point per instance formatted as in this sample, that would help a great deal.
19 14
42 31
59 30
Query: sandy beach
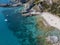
51 19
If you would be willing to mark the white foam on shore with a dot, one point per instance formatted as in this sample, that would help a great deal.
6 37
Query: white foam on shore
51 19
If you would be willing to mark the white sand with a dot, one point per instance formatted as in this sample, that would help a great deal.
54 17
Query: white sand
51 19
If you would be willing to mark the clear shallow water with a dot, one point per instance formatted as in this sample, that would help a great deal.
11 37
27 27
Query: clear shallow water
23 28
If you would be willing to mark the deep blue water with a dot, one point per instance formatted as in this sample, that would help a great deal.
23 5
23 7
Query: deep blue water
6 36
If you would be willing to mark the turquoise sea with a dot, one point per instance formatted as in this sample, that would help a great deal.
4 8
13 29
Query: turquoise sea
18 30
6 36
